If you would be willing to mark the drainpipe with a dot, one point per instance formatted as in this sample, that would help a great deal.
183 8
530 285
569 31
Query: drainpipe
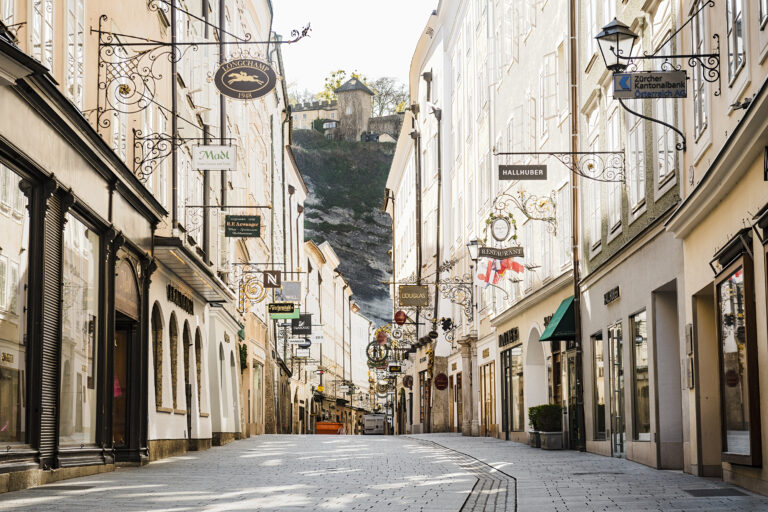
291 191
300 210
417 150
438 116
174 127
574 99
222 100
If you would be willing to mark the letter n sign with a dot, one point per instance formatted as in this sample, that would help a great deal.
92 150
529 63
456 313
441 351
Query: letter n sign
272 279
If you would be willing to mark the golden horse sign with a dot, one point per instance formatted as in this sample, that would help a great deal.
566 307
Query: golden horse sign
245 79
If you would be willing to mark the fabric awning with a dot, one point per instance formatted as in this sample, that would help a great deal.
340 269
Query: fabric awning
562 326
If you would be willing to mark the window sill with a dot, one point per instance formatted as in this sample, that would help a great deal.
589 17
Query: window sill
204 414
166 410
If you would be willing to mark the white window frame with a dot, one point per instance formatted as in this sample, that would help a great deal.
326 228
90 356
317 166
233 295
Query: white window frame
41 31
3 283
7 12
13 287
700 86
76 52
636 165
733 11
763 12
613 143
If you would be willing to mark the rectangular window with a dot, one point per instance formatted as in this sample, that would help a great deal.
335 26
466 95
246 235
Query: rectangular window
595 211
591 28
7 12
700 98
488 397
609 11
641 399
548 88
5 185
518 401
75 49
763 12
530 253
738 364
734 13
13 288
613 143
564 225
3 283
80 306
42 31
598 396
636 164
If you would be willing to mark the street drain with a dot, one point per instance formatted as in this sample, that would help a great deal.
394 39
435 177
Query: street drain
707 493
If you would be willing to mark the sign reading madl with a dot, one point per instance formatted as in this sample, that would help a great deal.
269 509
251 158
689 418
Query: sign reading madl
242 226
214 158
655 84
414 295
522 172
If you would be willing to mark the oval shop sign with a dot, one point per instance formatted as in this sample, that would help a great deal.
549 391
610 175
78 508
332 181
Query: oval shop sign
245 79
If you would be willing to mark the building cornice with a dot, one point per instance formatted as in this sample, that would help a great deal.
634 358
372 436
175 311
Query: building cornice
532 299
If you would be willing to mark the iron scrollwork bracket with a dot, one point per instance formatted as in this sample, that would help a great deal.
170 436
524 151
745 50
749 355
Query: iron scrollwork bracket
458 290
607 166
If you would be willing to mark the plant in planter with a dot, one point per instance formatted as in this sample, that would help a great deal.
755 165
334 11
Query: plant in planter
534 440
550 423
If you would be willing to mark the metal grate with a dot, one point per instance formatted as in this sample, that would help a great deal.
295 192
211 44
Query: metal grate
706 493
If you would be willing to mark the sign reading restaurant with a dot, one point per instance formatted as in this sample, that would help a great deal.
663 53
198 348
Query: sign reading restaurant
522 172
245 79
214 158
499 253
656 84
414 295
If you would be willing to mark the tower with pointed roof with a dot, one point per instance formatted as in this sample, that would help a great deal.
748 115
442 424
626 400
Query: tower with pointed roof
354 104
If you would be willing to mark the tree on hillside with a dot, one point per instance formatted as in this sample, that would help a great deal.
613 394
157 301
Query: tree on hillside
334 81
391 96
296 96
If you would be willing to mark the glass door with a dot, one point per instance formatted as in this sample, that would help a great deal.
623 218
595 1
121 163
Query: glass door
618 426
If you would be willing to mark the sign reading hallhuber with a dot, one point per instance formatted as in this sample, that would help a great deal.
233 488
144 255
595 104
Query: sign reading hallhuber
214 158
414 296
242 226
522 172
245 79
499 253
656 84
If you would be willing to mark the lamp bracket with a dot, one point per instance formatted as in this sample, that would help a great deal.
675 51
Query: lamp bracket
681 146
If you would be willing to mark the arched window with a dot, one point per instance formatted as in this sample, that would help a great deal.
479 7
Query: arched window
186 347
198 366
173 334
221 378
157 350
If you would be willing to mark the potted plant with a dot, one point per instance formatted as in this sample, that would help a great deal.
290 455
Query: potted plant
534 440
550 423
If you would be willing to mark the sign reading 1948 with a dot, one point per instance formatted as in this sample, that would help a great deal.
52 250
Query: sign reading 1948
245 79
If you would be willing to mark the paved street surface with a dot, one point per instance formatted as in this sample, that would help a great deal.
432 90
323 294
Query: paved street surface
440 472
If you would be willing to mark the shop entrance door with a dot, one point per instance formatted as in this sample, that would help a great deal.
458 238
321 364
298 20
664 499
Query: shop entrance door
573 363
618 423
506 392
125 333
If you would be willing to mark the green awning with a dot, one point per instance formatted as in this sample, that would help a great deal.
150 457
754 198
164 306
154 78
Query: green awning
562 325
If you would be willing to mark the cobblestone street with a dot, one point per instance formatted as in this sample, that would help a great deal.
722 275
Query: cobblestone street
426 472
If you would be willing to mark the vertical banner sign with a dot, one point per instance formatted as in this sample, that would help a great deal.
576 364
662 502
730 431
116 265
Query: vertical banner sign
214 158
272 279
242 226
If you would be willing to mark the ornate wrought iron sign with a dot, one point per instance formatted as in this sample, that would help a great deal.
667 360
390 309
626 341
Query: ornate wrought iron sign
245 79
647 84
500 253
414 296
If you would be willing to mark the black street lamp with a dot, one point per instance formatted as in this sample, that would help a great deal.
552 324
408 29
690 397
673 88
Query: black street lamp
616 42
472 247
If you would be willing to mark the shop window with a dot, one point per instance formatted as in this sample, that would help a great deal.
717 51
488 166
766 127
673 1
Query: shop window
221 377
641 398
488 396
738 364
157 349
598 396
80 310
199 367
422 385
13 359
459 411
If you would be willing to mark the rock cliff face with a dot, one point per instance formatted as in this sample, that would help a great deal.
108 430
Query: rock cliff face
346 182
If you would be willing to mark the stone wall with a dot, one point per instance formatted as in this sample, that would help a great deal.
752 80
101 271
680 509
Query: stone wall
389 125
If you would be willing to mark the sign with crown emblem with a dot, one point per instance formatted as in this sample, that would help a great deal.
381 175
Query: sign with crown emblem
245 79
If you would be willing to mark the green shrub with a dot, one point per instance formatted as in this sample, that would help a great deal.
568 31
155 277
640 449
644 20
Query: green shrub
533 417
550 418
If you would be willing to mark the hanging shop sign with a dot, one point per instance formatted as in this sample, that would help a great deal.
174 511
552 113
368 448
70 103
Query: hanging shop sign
343 390
400 317
655 84
214 158
320 388
495 253
408 381
414 296
441 381
395 368
283 311
500 229
302 326
272 279
611 295
397 333
302 352
175 296
299 341
242 226
252 290
290 291
245 79
522 172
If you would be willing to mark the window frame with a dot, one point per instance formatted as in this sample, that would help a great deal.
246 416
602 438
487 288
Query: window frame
597 434
633 322
732 38
743 261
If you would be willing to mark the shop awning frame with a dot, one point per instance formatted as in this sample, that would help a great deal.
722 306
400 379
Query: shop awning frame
562 327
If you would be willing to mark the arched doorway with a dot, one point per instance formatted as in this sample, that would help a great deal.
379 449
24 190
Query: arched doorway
297 422
186 347
535 371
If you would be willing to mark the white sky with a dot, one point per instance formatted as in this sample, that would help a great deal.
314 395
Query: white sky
376 38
